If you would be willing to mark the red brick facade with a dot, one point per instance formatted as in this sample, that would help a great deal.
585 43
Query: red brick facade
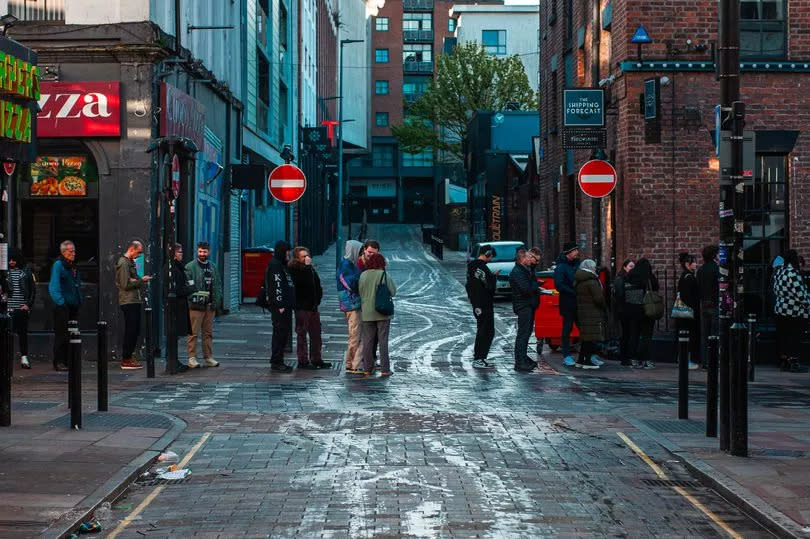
667 197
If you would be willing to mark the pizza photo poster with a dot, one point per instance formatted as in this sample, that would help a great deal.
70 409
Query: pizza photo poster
61 176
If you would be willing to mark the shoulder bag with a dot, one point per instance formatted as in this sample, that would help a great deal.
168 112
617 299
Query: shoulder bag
653 303
383 302
682 310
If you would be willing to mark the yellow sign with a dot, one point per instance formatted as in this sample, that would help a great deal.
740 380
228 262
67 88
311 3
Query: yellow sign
15 121
18 78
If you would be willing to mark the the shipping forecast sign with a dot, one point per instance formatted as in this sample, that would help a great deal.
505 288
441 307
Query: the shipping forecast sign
19 93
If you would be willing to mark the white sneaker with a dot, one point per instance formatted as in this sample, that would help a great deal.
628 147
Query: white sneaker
211 362
693 366
596 361
192 363
24 363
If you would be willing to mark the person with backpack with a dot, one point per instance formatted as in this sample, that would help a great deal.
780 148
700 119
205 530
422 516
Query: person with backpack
281 300
376 290
204 301
792 310
640 285
591 314
348 280
481 293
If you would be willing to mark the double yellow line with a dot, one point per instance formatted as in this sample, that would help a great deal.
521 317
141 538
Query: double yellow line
694 501
157 490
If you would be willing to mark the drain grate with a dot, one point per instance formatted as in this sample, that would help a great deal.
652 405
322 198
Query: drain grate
671 483
679 426
156 482
33 405
793 453
108 420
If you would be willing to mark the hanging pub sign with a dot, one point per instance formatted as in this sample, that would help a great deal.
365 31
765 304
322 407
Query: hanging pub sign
181 115
19 93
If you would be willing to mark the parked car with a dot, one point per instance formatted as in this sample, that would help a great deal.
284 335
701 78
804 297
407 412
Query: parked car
504 261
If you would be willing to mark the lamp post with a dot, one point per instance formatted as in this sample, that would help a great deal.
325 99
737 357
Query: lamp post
339 239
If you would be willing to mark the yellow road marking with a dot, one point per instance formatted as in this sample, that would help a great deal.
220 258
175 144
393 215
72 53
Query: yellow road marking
157 490
694 501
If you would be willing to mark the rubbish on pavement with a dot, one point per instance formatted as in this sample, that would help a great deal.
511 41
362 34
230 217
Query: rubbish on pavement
91 526
175 474
168 456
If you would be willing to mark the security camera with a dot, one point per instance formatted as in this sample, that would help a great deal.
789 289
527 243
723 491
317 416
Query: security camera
688 42
795 160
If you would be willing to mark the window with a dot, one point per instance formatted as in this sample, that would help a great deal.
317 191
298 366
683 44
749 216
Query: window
451 25
421 159
381 87
494 41
282 27
381 56
382 156
763 26
413 87
417 53
417 21
381 24
381 119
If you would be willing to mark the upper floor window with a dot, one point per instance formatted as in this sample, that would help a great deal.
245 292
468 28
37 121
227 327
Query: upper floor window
382 156
451 25
494 41
381 24
417 21
381 87
421 159
381 56
29 10
417 53
381 119
763 29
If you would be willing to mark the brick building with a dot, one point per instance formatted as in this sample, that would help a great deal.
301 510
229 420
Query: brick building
667 198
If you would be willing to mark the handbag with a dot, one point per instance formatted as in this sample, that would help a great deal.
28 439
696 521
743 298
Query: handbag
681 310
653 303
383 302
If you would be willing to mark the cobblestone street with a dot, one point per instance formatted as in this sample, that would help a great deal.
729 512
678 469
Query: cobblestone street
436 450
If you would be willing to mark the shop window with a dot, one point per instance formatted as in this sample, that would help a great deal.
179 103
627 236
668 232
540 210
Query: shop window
763 29
381 24
494 41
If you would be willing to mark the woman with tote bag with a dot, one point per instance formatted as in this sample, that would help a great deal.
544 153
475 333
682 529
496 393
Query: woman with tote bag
376 310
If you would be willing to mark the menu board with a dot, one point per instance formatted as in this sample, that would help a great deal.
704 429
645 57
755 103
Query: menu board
60 176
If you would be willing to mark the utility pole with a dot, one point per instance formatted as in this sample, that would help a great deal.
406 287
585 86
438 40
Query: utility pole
733 389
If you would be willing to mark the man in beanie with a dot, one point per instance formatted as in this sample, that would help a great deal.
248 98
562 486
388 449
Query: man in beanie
564 274
204 300
281 298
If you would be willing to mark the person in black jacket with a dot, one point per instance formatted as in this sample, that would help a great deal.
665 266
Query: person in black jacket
481 291
619 310
180 288
640 280
525 299
281 298
308 295
21 293
690 294
708 279
564 272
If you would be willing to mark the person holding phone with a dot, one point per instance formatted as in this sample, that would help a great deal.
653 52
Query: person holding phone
129 285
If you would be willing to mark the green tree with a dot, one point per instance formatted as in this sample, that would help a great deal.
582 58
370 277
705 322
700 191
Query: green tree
465 81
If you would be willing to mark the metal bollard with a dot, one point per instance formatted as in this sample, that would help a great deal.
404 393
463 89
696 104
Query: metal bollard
683 374
723 385
752 343
75 375
150 350
739 391
71 326
102 362
171 334
711 387
6 362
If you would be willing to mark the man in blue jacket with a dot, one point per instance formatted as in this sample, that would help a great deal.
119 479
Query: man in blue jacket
567 264
65 291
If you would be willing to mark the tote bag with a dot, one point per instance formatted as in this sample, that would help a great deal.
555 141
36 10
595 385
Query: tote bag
383 302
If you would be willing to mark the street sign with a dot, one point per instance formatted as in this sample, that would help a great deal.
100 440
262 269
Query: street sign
287 183
597 178
176 176
584 107
584 138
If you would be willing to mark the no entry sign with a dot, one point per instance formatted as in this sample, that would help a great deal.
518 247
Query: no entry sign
597 178
287 183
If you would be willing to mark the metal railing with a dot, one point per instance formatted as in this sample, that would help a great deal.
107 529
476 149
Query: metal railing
37 10
417 67
410 36
417 5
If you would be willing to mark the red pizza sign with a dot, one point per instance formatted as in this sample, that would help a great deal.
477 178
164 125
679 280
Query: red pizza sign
287 183
79 109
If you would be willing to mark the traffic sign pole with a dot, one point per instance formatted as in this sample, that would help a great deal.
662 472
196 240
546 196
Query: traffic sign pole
287 183
597 178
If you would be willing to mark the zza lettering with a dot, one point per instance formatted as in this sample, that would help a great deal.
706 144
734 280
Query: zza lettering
74 105
15 121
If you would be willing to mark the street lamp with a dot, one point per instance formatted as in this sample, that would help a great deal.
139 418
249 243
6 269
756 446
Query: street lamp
339 239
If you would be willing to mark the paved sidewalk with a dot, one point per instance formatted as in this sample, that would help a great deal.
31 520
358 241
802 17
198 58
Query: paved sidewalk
773 483
51 476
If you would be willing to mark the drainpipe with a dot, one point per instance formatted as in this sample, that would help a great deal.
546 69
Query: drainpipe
177 28
596 202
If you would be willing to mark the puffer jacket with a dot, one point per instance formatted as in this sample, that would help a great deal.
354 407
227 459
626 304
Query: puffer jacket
591 306
525 288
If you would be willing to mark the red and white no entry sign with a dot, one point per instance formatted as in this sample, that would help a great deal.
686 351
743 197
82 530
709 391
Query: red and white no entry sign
597 178
287 183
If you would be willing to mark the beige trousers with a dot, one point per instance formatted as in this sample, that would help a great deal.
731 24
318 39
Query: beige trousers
353 360
201 322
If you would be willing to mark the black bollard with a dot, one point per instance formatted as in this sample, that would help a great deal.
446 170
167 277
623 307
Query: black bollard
102 362
171 334
72 325
723 385
6 362
711 387
739 390
75 375
150 350
752 343
683 374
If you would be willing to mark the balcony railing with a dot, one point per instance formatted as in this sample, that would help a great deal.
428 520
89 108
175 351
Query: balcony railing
38 10
410 36
417 67
417 5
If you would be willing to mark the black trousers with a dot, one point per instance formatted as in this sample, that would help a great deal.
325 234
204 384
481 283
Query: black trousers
19 322
282 325
586 349
61 315
525 322
485 332
132 328
789 332
565 337
624 342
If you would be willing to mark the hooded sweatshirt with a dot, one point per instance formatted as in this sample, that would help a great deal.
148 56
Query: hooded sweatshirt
279 282
348 277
